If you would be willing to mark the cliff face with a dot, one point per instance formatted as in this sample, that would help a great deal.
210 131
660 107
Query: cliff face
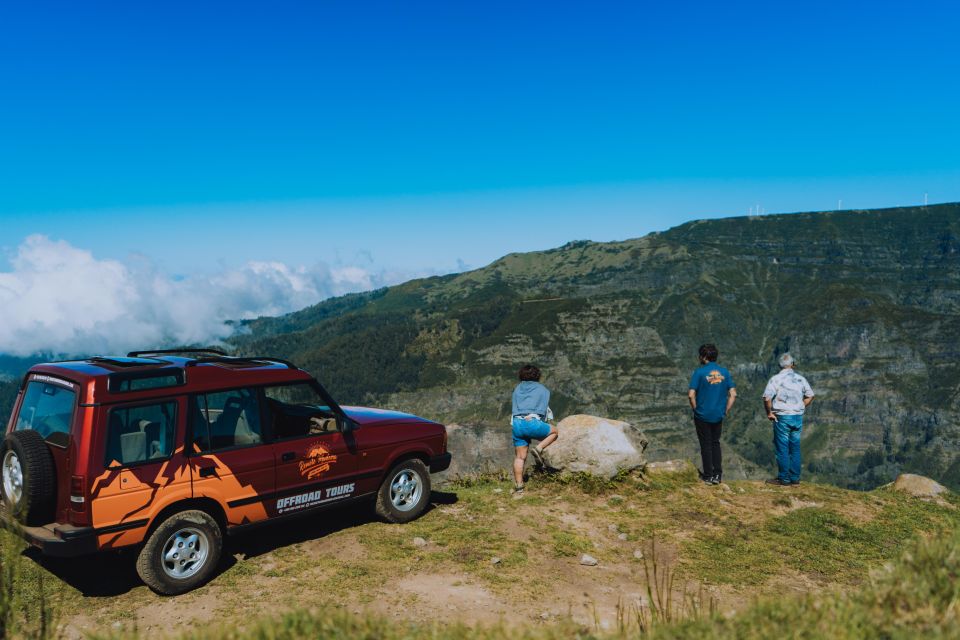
868 302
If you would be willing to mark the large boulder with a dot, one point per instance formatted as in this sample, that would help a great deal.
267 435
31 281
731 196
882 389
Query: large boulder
598 446
919 486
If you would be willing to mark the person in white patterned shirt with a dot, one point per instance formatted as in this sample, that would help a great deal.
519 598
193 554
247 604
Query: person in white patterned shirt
785 399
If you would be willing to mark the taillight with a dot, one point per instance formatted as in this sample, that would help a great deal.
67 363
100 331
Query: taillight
78 493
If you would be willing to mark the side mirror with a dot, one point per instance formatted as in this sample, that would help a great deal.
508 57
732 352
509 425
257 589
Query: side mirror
349 425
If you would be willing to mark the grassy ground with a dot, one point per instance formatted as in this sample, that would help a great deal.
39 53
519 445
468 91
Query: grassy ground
916 597
667 545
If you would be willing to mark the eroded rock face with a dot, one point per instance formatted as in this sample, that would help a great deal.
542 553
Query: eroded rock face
477 449
918 486
598 446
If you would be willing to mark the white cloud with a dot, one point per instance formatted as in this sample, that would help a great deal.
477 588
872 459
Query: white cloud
61 299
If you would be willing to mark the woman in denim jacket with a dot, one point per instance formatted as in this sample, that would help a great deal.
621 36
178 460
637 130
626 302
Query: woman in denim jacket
529 421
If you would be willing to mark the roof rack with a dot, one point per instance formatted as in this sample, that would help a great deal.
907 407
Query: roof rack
252 360
157 352
129 361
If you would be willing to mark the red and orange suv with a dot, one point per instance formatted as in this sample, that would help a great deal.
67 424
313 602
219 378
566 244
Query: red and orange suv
168 450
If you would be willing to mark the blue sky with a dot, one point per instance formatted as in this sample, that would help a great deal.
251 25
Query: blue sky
415 137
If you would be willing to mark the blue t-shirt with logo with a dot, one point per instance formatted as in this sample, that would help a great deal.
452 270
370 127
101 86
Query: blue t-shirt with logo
711 382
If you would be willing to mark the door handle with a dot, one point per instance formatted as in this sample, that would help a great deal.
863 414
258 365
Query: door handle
288 456
207 472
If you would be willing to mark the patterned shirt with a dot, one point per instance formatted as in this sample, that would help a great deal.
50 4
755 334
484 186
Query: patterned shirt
787 390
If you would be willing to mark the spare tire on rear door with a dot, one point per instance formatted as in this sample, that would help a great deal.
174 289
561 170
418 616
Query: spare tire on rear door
29 481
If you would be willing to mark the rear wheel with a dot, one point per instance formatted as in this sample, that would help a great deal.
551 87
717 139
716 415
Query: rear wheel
405 492
29 478
182 553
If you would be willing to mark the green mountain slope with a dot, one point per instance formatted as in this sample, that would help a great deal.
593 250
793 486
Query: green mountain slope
867 301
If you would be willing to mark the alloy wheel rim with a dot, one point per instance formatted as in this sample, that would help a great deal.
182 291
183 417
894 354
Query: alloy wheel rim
185 553
12 477
405 490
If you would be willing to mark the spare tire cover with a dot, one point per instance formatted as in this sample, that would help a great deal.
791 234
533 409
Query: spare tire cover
28 478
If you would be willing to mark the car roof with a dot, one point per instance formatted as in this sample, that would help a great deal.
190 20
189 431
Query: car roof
103 376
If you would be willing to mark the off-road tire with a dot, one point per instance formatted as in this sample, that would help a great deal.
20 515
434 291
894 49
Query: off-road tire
39 478
150 562
387 507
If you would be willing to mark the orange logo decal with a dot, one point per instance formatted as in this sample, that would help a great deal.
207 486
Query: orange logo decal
715 377
317 462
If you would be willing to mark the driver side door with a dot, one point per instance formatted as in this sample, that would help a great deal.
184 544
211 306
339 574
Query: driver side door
316 462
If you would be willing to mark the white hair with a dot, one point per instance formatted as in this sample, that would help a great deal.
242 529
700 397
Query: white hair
786 360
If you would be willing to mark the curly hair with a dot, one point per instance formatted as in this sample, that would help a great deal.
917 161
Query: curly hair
709 352
529 372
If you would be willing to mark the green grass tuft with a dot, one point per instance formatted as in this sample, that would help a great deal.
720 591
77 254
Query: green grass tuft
566 544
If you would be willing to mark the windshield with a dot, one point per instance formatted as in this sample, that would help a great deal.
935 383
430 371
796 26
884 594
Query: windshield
47 407
297 410
303 395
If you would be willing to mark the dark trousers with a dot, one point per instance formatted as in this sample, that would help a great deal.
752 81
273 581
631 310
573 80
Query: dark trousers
708 433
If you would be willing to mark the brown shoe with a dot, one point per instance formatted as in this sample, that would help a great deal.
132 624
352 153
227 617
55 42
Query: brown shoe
778 482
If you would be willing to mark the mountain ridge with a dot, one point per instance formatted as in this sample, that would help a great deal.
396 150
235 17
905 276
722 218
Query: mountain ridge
867 300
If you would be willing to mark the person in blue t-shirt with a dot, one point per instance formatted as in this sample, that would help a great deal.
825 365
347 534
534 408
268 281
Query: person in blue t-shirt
528 421
712 394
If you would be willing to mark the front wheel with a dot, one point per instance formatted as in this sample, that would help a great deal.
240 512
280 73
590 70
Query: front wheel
405 492
181 554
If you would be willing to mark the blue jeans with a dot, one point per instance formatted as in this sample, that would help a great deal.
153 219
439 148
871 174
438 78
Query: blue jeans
786 442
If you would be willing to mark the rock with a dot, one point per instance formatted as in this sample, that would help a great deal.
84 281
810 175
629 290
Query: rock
598 446
918 486
477 449
612 528
419 542
588 561
622 536
638 554
495 560
668 466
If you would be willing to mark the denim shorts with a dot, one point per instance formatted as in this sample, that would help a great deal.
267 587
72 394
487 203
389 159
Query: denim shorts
526 430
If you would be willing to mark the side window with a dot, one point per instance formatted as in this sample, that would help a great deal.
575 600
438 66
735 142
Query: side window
227 419
297 410
141 433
